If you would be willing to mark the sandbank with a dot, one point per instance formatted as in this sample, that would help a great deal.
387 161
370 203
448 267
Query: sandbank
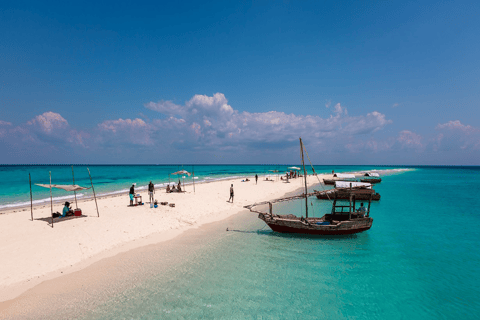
34 252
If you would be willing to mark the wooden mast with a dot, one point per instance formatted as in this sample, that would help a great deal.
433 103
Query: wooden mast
51 201
31 200
193 177
74 192
93 189
305 177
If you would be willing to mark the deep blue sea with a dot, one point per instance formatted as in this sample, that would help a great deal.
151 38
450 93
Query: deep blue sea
420 259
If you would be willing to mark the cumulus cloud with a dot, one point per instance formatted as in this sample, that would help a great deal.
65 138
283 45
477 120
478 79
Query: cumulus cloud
114 132
120 124
455 135
207 123
409 139
4 127
213 122
48 122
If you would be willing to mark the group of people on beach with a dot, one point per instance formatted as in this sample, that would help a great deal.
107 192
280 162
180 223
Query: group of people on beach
173 189
178 188
151 191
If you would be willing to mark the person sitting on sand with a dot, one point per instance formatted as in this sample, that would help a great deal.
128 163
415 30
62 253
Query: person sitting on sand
179 189
173 189
168 188
66 210
362 209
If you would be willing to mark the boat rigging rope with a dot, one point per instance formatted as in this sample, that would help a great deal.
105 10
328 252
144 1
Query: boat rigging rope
313 169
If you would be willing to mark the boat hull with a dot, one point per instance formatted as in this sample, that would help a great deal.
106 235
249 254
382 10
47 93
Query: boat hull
371 180
341 196
299 226
285 229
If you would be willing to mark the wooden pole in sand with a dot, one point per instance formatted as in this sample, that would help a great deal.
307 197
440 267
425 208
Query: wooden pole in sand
305 176
31 200
74 192
51 200
93 189
193 178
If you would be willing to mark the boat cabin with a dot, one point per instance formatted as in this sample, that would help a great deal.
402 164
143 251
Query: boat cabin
343 210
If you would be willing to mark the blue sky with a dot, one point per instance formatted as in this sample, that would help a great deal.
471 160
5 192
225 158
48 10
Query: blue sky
378 82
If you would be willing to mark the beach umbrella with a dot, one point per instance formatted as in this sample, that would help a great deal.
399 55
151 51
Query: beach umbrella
294 168
183 172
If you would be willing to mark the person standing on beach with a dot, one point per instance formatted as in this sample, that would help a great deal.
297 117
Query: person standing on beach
231 194
151 191
256 178
132 194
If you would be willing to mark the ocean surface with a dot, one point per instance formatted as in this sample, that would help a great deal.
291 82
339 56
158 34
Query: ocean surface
111 179
420 259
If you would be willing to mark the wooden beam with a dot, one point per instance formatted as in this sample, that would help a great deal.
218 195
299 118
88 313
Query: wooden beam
93 189
31 200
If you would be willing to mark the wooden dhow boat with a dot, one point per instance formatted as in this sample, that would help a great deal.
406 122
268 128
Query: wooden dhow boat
343 219
364 191
371 177
340 177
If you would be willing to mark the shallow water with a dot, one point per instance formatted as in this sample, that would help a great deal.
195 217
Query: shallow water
419 261
110 179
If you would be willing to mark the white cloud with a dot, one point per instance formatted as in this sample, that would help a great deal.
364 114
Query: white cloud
395 105
214 123
49 122
457 125
455 135
120 124
409 139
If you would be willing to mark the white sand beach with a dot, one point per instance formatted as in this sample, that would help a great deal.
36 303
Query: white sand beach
33 251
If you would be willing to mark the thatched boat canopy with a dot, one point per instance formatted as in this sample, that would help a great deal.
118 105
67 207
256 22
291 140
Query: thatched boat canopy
344 175
372 174
347 184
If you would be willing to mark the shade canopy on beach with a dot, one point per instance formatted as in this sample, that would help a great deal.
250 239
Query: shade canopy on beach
372 174
344 175
182 172
294 168
69 187
347 184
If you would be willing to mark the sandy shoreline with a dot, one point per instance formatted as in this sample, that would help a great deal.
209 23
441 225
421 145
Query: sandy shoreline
35 252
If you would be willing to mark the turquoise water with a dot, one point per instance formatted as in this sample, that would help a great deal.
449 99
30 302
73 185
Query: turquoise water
420 260
107 179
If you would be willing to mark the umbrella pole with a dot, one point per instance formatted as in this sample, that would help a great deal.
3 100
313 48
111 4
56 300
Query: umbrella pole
93 189
31 200
193 178
74 192
51 200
